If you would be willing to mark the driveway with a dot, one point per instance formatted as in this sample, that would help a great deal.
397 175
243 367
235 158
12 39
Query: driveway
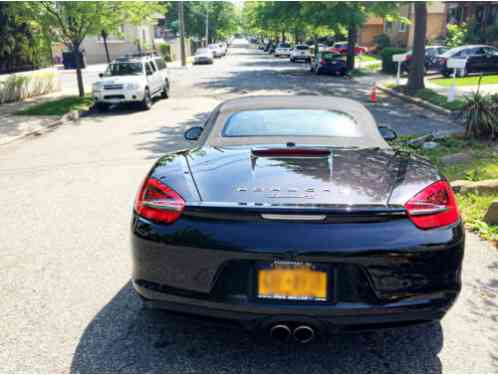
66 199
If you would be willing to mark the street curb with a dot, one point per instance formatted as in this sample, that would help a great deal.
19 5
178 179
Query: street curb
68 117
416 101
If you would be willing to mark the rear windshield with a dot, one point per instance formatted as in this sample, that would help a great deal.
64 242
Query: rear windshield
302 48
201 51
284 45
330 56
291 122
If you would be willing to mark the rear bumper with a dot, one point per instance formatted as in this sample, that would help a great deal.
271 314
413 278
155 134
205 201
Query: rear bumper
380 274
339 318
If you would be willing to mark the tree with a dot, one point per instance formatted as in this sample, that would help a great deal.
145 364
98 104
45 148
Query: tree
23 45
117 13
224 19
72 21
417 69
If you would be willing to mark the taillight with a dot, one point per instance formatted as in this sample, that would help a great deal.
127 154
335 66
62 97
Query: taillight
433 207
322 62
298 152
409 58
156 201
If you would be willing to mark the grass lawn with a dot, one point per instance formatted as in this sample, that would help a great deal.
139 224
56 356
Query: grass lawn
58 107
482 166
467 81
432 97
367 58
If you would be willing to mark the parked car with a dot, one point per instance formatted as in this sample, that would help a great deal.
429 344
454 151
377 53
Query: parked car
203 56
217 49
292 215
239 43
431 58
132 79
282 50
479 59
342 48
301 52
327 62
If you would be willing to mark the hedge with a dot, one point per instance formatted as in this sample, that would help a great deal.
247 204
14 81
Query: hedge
388 66
17 87
165 51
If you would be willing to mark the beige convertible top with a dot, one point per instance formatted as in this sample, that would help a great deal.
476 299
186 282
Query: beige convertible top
212 134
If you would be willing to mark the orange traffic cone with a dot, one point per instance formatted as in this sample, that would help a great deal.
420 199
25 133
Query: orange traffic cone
373 94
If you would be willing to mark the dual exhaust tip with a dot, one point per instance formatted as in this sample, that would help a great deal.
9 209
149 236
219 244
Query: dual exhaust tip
302 334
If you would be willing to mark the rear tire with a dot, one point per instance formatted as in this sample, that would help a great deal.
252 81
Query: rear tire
165 92
147 101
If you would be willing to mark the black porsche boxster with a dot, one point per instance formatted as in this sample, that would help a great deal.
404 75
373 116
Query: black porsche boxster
293 214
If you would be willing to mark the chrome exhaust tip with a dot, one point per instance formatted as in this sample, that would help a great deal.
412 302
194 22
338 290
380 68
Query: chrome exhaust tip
280 332
304 334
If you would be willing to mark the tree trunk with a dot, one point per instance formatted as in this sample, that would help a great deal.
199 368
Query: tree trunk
352 33
283 36
104 35
417 68
79 76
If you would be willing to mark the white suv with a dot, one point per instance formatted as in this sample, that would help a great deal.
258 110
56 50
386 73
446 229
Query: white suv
132 80
300 52
283 50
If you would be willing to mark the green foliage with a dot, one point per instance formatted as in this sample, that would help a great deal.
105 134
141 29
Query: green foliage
22 45
440 100
480 115
456 35
17 87
473 207
59 107
165 51
388 66
382 41
223 16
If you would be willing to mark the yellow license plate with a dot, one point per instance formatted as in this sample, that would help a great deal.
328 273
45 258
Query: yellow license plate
299 282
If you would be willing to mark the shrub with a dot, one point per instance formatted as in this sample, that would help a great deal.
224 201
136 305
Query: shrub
388 66
382 41
165 51
480 115
457 34
17 87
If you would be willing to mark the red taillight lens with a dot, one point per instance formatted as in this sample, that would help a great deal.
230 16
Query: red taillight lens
409 58
275 152
156 201
433 207
322 62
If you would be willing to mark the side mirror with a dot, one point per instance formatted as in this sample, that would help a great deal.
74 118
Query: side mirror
101 75
193 134
387 133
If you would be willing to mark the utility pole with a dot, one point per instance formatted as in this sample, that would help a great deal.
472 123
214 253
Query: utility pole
207 28
181 21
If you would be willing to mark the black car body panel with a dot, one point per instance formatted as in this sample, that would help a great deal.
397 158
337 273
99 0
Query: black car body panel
383 269
479 59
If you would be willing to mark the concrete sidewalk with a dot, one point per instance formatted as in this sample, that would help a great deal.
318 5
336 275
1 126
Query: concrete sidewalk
14 127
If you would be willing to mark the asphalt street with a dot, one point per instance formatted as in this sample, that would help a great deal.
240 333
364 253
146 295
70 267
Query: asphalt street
66 199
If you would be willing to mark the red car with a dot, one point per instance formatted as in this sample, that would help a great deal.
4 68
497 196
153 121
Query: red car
342 48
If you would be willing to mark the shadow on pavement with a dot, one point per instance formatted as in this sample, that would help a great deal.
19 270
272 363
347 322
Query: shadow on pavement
170 137
124 338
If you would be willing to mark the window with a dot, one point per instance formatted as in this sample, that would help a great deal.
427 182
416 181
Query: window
149 69
291 122
388 26
124 69
402 27
160 64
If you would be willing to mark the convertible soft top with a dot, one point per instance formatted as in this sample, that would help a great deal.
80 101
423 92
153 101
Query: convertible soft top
371 137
